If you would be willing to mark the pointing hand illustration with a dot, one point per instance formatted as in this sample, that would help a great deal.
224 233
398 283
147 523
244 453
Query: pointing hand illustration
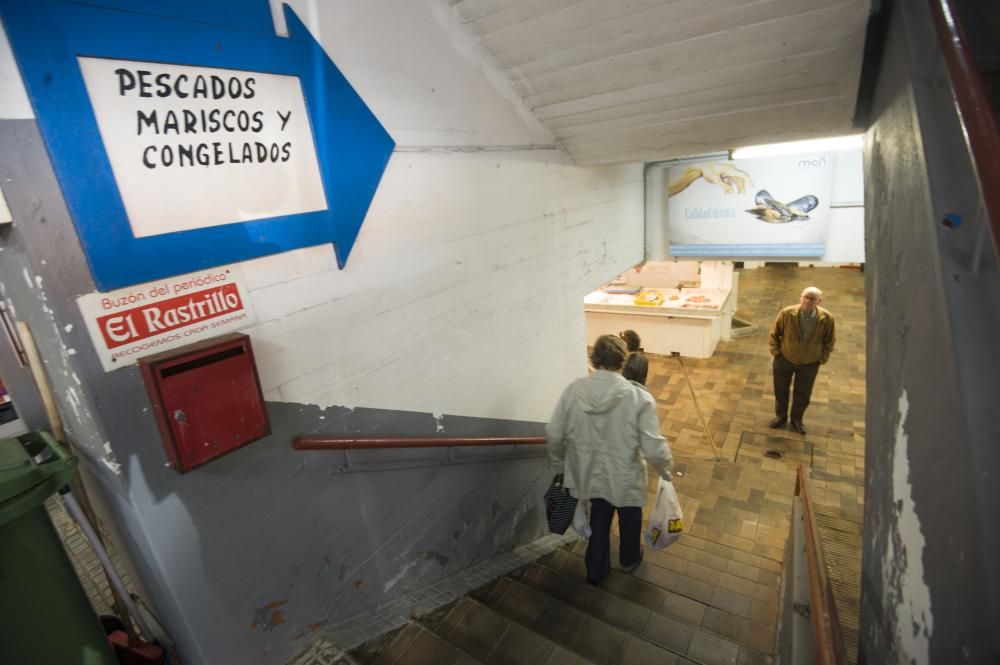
723 174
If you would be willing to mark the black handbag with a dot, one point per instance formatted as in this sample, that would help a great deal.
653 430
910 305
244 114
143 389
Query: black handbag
559 506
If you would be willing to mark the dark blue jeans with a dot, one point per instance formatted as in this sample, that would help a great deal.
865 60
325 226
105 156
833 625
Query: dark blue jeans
599 548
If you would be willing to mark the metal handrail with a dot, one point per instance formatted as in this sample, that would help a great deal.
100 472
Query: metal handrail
974 111
828 643
355 443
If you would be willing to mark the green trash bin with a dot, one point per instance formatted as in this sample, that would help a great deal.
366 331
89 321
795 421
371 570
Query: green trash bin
45 616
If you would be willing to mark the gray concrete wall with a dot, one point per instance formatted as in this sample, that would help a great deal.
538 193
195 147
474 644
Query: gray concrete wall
929 573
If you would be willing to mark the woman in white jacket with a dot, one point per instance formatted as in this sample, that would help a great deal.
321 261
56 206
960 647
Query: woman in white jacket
600 432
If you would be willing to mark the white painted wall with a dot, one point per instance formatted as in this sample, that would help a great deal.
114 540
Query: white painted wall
846 240
463 290
422 73
13 98
466 282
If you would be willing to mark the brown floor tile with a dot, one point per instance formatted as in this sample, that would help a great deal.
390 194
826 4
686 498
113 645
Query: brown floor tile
732 602
674 635
423 648
474 629
641 652
723 623
602 644
520 646
560 656
712 649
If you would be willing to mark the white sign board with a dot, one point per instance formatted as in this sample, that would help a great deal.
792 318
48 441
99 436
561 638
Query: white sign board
772 206
127 324
193 147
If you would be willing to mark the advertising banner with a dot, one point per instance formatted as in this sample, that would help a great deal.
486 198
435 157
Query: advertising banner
772 206
127 324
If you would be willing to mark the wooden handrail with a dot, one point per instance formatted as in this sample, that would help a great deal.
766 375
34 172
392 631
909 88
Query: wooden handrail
828 643
976 115
354 443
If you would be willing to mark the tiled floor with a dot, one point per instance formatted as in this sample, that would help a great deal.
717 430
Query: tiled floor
739 508
711 598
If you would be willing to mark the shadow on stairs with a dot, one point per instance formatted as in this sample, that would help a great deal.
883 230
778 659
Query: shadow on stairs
545 614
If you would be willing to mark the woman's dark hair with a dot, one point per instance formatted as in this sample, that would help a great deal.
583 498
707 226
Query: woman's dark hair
636 368
608 353
631 339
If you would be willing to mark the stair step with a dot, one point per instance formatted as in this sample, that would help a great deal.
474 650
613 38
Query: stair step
415 645
711 551
709 554
748 591
495 639
628 597
598 641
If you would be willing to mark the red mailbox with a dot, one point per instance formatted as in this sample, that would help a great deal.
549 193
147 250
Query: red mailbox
206 398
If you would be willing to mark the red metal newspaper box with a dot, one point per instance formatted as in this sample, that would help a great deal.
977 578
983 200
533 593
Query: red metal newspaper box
206 398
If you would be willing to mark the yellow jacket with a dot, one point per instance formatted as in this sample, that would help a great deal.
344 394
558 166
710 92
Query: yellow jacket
786 339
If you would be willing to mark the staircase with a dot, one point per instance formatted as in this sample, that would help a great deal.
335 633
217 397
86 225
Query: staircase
545 614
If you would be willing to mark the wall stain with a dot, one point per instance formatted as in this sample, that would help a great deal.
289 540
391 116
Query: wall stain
269 616
357 583
435 556
495 509
310 628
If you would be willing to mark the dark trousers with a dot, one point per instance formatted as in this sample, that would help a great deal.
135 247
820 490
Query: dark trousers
599 547
805 377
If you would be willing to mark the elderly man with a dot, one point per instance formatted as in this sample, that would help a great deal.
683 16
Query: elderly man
801 340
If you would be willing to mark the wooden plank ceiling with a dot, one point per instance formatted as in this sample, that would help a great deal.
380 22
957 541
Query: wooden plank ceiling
643 80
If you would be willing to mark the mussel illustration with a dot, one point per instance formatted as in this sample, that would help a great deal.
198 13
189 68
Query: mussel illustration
773 211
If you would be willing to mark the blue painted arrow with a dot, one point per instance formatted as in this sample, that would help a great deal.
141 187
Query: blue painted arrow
353 148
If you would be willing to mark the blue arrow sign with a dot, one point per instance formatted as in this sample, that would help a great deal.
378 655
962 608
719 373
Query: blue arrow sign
352 148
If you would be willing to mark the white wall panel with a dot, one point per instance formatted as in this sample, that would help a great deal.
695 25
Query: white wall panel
463 294
456 304
422 73
13 98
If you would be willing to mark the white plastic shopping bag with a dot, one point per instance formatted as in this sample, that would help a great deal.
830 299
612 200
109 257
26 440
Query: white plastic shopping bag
581 518
666 523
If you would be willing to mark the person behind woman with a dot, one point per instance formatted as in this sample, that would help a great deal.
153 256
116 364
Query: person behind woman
632 342
636 364
602 428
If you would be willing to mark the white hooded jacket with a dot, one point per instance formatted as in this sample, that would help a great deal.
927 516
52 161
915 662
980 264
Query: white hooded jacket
602 427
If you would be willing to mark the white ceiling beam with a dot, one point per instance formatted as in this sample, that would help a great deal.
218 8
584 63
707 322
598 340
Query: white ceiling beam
679 87
714 109
628 72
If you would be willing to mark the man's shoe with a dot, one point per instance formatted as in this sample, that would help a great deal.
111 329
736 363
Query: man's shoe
777 422
798 426
631 568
